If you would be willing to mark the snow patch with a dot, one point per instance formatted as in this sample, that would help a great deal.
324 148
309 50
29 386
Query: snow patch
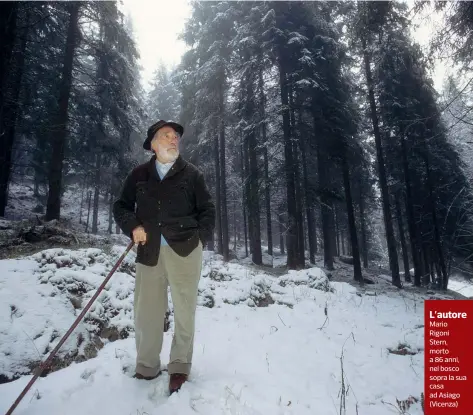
264 344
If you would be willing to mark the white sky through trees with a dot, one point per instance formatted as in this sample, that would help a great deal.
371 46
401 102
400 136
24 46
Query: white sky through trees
158 23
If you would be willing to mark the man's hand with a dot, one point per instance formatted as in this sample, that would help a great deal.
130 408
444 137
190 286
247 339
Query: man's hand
139 235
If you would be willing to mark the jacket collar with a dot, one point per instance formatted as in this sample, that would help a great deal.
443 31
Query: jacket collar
178 165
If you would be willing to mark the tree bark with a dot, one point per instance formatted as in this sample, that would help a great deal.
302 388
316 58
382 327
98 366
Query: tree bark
97 179
338 237
218 198
83 187
235 230
291 235
333 224
298 183
89 200
267 189
8 17
351 220
8 23
327 220
255 232
314 228
250 216
252 174
59 129
299 208
327 214
269 230
110 208
311 232
405 256
244 197
281 232
438 243
388 223
414 241
11 114
363 227
223 175
428 270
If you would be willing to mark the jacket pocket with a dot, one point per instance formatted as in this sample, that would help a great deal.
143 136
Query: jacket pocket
181 195
188 222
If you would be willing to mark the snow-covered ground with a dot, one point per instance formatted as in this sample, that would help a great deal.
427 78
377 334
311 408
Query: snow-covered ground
461 286
22 204
456 283
290 345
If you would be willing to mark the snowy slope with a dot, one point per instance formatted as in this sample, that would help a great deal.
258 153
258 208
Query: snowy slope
22 204
461 286
264 345
41 295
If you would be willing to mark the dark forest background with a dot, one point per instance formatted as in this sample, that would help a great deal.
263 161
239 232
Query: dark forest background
317 124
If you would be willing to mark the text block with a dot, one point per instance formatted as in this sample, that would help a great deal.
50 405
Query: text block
448 357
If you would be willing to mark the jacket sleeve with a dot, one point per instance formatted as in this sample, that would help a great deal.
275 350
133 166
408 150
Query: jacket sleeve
124 207
205 209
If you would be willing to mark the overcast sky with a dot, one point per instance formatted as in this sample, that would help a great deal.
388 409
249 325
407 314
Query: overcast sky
157 24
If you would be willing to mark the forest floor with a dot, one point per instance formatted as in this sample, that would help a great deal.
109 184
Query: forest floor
22 212
293 344
268 339
378 279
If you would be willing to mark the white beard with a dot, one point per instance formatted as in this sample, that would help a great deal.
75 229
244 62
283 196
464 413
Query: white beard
167 156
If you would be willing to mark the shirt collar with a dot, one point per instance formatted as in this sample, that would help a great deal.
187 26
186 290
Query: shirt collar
164 166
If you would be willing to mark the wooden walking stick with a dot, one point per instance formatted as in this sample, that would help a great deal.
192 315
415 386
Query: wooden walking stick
48 361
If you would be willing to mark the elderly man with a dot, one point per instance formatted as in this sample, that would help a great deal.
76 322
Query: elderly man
166 208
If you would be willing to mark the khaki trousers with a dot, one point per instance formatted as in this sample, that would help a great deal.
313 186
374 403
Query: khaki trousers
182 275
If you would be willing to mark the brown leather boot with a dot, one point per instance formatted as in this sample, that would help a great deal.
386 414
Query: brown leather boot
176 380
140 376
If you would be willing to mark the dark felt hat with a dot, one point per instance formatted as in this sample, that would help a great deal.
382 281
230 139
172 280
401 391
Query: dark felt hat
156 126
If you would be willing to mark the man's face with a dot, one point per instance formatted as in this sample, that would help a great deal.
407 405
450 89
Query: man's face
165 144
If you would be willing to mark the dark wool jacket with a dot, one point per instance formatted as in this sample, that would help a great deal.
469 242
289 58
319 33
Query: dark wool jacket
179 206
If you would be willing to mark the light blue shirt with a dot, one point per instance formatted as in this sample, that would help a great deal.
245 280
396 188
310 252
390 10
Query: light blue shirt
162 169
